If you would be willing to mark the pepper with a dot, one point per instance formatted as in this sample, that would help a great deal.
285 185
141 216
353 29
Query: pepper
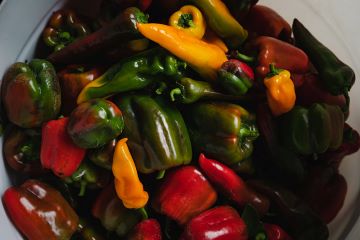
220 223
134 73
184 193
127 184
103 156
240 9
40 212
123 28
231 185
31 93
63 28
235 77
72 80
336 76
280 91
203 57
58 152
112 214
223 131
222 22
255 228
146 230
313 130
87 231
211 38
94 123
275 232
158 137
190 20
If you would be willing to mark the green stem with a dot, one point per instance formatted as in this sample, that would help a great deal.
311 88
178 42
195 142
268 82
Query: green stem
174 92
161 174
82 188
244 57
186 20
161 88
143 212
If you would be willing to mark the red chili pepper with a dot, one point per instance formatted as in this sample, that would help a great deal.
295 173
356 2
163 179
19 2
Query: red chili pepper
58 152
184 194
231 185
274 232
220 223
146 230
39 211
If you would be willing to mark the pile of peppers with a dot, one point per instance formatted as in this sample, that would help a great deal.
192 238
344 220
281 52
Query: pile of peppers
205 120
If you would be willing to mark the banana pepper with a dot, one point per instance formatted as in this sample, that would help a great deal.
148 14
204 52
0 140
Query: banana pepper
280 91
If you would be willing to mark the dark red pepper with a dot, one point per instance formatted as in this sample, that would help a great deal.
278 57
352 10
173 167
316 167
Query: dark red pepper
184 193
58 152
274 232
231 185
146 230
220 223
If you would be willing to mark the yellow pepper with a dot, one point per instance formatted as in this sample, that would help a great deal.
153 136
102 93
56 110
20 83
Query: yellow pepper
127 184
280 91
211 38
190 20
203 57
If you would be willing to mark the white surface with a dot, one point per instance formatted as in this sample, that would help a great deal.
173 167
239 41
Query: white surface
334 22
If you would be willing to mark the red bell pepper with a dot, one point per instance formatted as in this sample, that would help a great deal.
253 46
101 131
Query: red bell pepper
231 185
184 193
274 232
58 152
146 230
39 211
220 223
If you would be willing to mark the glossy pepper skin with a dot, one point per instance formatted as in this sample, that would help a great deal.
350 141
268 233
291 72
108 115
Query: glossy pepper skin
203 57
184 193
127 183
58 153
103 156
94 123
222 22
39 211
223 131
313 130
63 28
146 230
190 20
220 223
231 185
158 136
31 93
134 73
274 232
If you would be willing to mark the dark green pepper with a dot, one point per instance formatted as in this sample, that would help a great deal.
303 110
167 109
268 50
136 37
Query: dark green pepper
239 9
103 156
134 73
312 130
223 131
31 93
157 136
94 123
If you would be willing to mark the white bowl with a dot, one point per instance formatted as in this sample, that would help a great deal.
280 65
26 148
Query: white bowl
332 21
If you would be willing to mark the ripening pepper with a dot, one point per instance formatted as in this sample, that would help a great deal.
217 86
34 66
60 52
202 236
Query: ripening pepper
220 223
184 193
134 73
31 93
223 131
313 130
146 230
157 135
39 211
203 57
275 232
94 123
103 156
222 22
63 28
58 152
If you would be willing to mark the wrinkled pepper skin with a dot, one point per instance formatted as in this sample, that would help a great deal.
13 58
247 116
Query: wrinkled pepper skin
112 214
40 212
31 93
274 232
158 136
146 230
313 130
134 73
58 153
103 156
223 131
94 123
184 194
222 22
220 223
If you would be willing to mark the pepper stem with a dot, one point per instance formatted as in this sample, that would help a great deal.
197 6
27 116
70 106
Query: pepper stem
143 212
161 174
82 188
186 20
161 88
248 132
244 57
174 92
273 70
260 236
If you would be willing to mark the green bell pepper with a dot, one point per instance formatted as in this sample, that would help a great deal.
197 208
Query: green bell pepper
223 131
312 130
31 93
157 136
103 156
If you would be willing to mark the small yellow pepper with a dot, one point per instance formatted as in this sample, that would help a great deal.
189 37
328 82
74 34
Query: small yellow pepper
190 20
211 38
280 91
203 57
127 184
